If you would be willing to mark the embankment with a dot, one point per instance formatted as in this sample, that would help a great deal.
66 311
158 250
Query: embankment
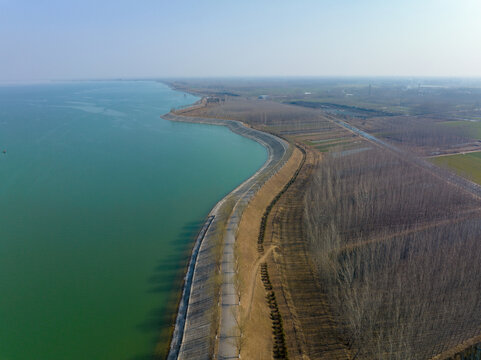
255 315
196 326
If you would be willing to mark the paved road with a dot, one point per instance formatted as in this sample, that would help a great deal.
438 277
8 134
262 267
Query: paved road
192 340
468 186
229 332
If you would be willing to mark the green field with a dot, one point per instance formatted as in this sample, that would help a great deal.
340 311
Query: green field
471 129
468 165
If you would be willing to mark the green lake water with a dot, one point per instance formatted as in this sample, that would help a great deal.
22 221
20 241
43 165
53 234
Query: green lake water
100 200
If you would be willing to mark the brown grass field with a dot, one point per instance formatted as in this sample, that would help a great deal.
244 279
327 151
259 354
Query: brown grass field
254 314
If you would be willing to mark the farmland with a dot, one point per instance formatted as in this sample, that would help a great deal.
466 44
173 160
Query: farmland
468 165
370 252
469 128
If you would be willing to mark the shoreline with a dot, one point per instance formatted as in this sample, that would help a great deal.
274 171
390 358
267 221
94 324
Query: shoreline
195 306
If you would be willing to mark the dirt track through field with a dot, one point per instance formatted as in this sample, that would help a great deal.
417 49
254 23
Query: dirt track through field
469 213
253 278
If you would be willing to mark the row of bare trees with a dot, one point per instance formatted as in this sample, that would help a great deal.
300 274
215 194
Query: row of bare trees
422 132
419 133
264 112
398 251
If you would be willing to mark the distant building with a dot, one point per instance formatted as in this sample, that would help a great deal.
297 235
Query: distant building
263 97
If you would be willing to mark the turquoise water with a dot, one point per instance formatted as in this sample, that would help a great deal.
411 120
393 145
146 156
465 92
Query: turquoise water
99 202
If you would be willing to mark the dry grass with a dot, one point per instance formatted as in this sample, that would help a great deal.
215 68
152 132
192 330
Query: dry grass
254 312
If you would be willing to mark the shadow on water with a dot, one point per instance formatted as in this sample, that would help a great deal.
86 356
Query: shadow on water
167 280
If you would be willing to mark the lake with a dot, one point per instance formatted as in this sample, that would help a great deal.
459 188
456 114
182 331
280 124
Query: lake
100 202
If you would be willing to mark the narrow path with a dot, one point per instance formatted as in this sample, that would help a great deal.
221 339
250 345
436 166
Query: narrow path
426 226
229 299
253 277
451 353
454 153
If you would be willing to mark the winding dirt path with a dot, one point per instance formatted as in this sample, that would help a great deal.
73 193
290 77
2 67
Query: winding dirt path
253 278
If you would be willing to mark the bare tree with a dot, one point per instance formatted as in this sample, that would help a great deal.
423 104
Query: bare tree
398 251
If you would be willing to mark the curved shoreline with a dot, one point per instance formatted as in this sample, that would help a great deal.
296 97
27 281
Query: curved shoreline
192 335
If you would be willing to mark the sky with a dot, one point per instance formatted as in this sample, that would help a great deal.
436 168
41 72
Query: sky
85 39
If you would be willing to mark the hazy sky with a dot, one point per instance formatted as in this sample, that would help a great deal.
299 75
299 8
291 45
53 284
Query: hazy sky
72 39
